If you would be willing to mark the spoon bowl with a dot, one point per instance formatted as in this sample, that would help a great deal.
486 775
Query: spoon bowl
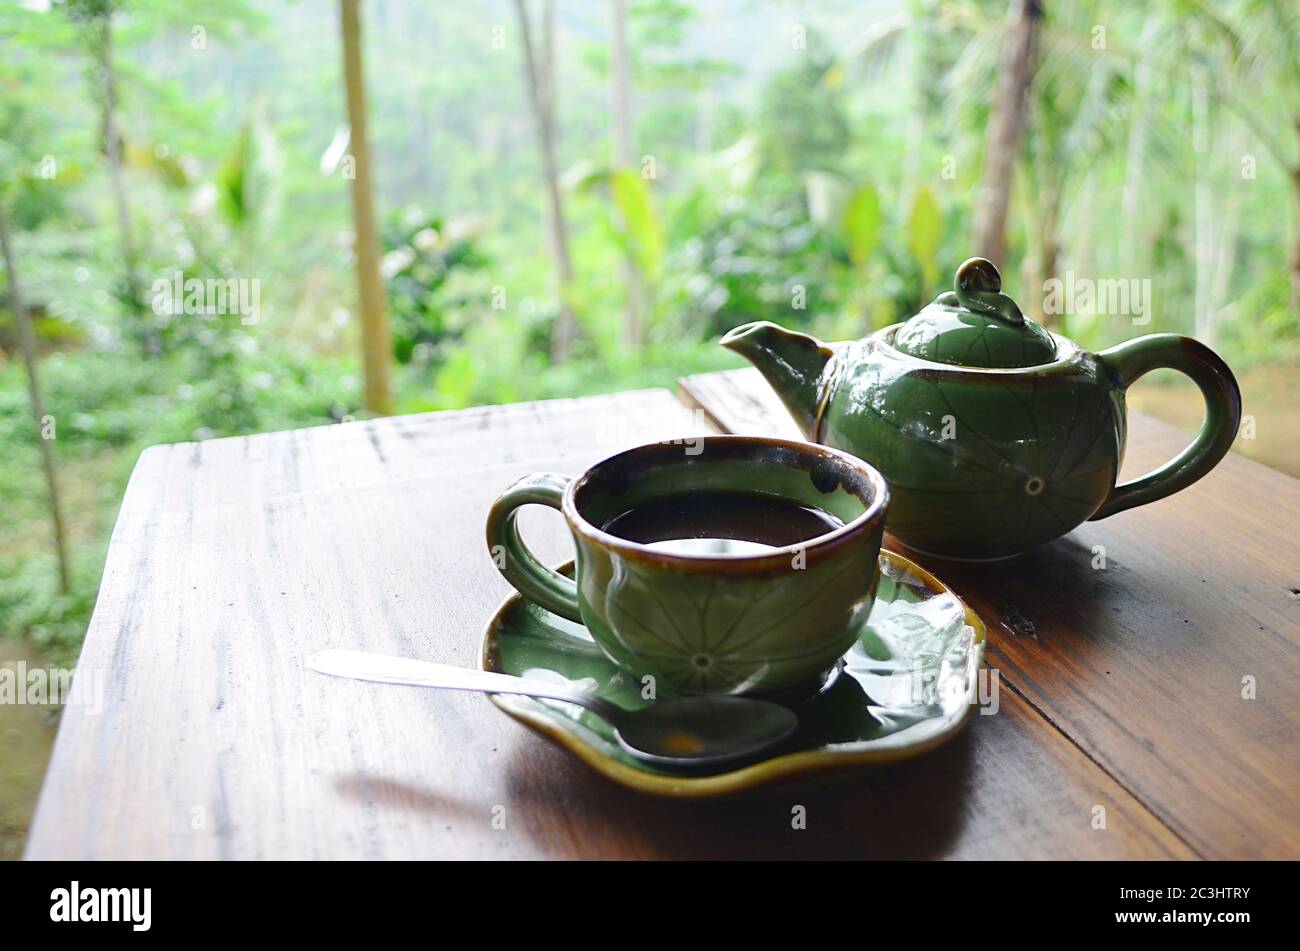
688 733
704 731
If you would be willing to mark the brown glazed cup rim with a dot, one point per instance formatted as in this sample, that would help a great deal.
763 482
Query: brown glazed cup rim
815 548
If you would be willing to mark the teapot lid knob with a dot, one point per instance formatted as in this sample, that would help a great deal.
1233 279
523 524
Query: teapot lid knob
977 286
975 325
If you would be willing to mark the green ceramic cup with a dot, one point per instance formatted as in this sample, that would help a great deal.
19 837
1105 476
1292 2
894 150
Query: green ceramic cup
763 623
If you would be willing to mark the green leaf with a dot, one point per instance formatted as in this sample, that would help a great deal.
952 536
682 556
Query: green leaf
924 229
640 225
248 179
861 223
583 176
169 169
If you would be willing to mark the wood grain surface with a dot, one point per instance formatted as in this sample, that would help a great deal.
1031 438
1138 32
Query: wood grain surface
234 559
1138 636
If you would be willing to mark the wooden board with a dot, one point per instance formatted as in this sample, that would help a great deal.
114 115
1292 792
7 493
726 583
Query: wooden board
1143 662
234 559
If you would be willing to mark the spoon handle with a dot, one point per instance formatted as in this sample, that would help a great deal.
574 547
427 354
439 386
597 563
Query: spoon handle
384 669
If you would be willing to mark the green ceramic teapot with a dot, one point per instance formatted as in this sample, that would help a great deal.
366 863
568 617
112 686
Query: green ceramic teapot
994 434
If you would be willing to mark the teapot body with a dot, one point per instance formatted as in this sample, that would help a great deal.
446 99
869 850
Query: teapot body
994 434
981 463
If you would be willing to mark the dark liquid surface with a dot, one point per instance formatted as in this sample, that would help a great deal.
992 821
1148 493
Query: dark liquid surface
720 523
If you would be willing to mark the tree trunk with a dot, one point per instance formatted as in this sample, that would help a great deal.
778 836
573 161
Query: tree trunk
1132 243
376 337
113 152
27 343
1203 321
1044 239
1006 126
1049 238
1225 251
625 155
1083 258
1295 236
1221 241
540 79
1295 225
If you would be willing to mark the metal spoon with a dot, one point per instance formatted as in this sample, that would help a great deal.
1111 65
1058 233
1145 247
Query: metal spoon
693 732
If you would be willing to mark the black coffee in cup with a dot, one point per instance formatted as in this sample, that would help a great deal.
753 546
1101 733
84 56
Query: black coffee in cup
720 523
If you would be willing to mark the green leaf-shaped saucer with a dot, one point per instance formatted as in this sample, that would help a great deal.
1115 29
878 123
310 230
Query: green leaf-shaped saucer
908 685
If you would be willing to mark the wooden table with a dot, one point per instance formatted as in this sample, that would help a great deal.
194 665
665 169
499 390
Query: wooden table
234 559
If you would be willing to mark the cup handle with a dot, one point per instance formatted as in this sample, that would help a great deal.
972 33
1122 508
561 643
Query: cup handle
534 580
1130 360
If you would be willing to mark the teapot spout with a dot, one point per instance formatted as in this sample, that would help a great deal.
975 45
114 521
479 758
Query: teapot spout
793 364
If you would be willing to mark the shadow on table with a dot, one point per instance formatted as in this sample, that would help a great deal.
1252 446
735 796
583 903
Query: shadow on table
1052 588
402 796
908 810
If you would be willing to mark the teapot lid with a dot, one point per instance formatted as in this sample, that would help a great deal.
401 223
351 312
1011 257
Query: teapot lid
976 325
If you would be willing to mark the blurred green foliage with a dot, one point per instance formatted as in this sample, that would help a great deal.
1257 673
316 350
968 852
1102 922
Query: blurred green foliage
429 268
823 178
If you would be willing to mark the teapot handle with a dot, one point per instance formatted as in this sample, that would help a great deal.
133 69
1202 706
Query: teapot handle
1130 360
